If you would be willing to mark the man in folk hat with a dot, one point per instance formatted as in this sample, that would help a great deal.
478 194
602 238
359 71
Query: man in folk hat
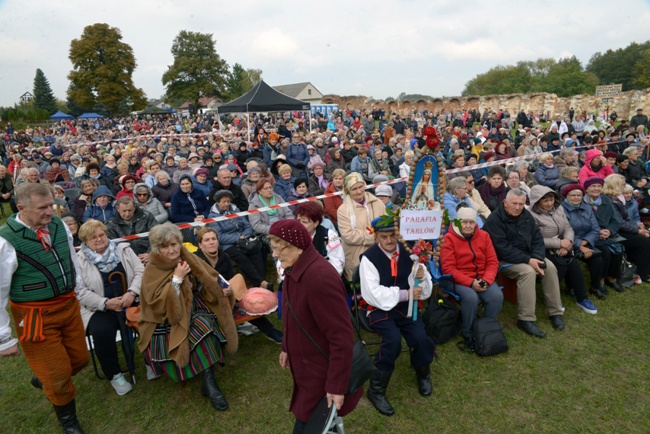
386 279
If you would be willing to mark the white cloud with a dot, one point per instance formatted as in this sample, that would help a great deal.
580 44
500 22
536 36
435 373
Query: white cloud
378 48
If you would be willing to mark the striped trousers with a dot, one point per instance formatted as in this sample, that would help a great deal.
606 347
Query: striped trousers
61 354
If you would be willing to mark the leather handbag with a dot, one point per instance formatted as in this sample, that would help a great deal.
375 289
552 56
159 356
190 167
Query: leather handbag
628 272
250 244
362 364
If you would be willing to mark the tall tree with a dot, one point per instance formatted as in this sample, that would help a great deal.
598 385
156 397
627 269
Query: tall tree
241 80
102 72
642 71
43 95
618 66
564 78
197 70
567 78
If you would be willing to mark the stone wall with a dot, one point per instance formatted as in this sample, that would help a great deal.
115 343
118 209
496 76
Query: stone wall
624 104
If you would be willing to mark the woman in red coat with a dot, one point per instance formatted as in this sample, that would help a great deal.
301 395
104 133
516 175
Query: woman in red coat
333 203
322 312
469 256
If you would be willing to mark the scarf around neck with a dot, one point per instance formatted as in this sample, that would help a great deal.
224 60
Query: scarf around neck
272 212
107 261
571 205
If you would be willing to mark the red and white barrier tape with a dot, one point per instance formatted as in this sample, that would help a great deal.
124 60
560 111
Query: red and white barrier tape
324 196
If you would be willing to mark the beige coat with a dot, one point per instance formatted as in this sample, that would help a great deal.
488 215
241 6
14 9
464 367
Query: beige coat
91 298
553 225
357 239
477 202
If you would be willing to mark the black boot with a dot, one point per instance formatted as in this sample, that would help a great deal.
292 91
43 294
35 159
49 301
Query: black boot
210 389
377 392
67 415
37 383
424 380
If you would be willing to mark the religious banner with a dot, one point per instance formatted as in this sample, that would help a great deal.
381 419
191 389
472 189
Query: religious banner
416 224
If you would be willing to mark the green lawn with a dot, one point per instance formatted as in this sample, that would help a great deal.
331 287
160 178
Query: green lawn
592 377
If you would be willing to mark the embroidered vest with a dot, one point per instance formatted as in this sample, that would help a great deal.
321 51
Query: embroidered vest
41 274
382 263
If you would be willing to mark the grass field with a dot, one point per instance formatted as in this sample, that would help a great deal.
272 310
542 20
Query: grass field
592 377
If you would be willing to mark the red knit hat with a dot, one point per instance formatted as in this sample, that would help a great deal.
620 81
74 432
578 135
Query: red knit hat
291 231
570 187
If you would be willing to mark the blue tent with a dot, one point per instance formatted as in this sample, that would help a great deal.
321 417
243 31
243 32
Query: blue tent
91 116
58 116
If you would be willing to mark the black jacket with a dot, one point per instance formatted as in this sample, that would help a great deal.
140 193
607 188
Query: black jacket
142 221
238 196
223 266
515 240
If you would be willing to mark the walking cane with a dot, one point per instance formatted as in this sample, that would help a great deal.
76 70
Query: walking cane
126 332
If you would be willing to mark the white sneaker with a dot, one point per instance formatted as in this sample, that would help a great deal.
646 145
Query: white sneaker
247 329
121 386
151 375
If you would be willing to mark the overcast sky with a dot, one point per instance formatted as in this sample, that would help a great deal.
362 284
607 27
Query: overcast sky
375 48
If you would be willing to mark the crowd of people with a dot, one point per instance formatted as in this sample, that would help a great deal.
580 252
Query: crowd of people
579 193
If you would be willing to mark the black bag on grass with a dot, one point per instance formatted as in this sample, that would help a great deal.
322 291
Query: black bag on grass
488 337
442 321
628 272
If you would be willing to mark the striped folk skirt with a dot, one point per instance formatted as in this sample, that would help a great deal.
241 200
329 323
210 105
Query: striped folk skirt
205 338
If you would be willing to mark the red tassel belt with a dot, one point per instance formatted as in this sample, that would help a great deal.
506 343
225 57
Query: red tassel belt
33 319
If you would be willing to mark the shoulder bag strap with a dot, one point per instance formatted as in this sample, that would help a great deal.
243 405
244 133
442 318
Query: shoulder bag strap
305 331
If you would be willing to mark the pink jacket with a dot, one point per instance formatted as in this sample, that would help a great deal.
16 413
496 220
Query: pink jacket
587 172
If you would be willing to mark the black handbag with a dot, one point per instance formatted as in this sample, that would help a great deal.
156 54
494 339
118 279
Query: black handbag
628 272
250 244
362 365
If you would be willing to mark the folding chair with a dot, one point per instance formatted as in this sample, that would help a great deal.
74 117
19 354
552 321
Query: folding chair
129 341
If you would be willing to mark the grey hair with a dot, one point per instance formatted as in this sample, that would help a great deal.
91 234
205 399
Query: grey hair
455 184
515 192
520 164
163 174
162 235
568 170
629 150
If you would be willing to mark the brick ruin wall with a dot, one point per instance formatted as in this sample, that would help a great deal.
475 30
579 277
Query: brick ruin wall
624 105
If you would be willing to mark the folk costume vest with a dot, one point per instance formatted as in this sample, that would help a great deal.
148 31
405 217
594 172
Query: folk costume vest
42 273
383 265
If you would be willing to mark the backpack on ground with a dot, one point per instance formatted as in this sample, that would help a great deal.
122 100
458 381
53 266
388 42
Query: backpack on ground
442 320
488 337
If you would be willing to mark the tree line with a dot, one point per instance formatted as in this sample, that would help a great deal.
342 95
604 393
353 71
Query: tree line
629 66
101 79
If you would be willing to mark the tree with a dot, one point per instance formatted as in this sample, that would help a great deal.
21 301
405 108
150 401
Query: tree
197 70
43 96
102 72
642 71
565 77
618 66
241 80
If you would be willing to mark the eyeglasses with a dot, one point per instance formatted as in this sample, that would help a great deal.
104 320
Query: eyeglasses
97 237
278 249
142 194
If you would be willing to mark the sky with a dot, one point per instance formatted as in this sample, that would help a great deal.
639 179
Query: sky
377 48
